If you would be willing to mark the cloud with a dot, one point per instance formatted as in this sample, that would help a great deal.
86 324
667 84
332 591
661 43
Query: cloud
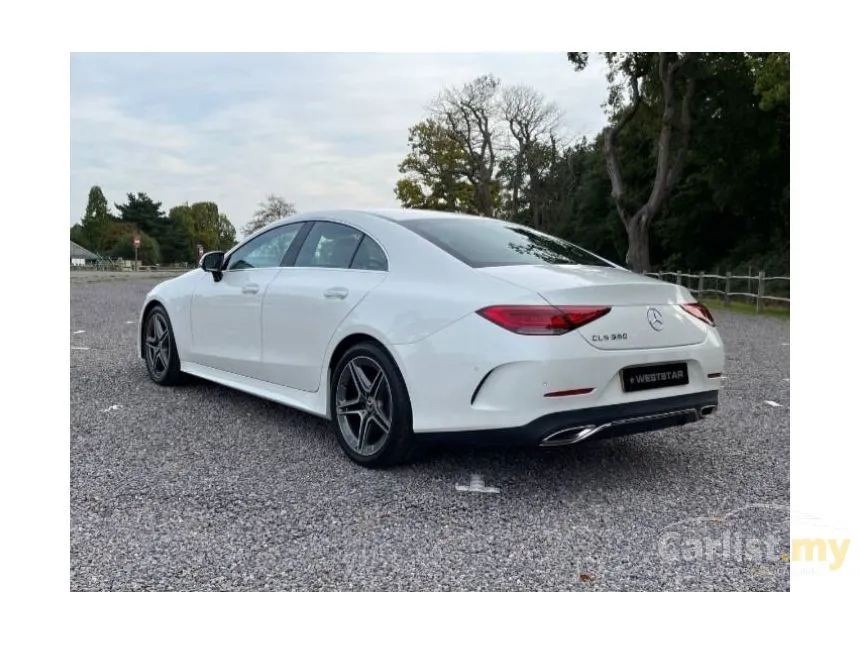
322 130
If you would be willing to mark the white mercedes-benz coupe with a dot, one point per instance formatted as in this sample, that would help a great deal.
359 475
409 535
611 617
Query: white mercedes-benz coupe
401 326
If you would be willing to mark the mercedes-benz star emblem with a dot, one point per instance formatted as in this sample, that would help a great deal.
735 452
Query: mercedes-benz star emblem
655 319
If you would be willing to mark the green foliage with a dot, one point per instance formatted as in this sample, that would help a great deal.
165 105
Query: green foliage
434 171
176 240
205 222
96 223
199 223
172 238
226 233
119 232
144 213
772 72
79 236
148 253
729 209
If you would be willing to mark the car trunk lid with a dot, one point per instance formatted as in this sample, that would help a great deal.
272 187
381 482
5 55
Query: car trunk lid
645 312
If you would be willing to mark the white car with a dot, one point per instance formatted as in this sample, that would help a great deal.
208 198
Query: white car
406 325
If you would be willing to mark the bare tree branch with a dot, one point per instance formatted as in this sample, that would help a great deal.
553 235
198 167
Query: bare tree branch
531 122
469 114
686 123
268 211
613 166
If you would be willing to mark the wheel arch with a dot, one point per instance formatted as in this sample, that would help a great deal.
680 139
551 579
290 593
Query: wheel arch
343 346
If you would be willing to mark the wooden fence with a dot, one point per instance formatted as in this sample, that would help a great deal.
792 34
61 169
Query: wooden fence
760 288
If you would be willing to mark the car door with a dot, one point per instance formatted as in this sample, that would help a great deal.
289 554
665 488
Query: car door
226 313
336 267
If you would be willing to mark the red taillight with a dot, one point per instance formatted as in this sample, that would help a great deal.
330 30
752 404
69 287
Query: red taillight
542 320
700 311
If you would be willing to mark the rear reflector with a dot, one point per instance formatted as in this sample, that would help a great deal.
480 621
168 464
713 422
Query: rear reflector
542 320
582 390
700 311
715 375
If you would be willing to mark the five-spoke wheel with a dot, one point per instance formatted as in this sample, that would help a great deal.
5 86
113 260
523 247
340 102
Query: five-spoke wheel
159 348
370 407
363 405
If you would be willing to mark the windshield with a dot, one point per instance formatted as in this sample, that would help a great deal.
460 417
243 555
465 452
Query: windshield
487 243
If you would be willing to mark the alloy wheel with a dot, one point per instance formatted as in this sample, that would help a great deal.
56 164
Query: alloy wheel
364 405
157 345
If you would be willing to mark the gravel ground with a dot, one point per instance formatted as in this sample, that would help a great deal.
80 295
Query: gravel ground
205 488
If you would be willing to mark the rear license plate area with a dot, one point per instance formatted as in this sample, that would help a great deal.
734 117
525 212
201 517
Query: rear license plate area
651 377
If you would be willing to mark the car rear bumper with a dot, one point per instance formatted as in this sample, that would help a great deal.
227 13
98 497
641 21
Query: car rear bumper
574 426
475 376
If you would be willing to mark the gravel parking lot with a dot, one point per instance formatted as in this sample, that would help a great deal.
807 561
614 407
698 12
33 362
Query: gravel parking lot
205 488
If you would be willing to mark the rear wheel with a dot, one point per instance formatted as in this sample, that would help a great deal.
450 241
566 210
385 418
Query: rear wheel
159 348
370 408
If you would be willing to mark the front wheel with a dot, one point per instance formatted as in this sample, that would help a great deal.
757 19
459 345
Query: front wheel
370 408
159 348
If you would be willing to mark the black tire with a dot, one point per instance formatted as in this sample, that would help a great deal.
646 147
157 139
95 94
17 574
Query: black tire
370 409
159 348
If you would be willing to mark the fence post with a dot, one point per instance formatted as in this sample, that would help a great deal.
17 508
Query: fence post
701 288
677 277
749 278
728 300
759 301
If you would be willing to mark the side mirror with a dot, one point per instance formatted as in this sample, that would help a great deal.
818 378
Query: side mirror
213 262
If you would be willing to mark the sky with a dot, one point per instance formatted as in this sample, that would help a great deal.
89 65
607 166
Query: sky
320 130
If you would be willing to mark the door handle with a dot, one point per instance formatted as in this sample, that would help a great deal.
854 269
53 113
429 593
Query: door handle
250 288
336 293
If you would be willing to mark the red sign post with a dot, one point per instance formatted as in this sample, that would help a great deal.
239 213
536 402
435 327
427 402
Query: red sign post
136 241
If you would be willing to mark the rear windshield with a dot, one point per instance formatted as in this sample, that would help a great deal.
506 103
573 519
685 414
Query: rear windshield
489 243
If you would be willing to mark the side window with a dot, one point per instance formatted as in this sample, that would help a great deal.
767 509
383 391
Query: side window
369 256
329 245
265 251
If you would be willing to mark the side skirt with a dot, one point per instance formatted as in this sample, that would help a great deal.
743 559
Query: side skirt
310 402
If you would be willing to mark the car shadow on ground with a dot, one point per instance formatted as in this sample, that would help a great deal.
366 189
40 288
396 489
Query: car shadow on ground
606 464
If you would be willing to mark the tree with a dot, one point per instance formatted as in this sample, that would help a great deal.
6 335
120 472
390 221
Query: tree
434 171
656 81
206 223
270 210
175 242
148 253
772 71
79 236
144 213
469 116
531 122
484 149
226 233
200 223
727 211
96 222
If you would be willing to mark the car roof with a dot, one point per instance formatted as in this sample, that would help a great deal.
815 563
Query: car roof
391 214
401 214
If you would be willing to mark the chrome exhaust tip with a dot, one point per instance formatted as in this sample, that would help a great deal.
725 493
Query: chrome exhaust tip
570 436
575 434
707 410
564 437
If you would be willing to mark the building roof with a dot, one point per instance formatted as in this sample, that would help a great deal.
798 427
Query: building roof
77 251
